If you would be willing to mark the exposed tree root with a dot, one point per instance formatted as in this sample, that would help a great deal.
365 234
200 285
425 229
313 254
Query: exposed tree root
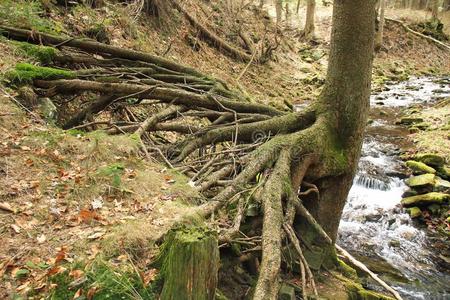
233 150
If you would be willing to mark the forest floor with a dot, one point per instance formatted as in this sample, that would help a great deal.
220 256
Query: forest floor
68 196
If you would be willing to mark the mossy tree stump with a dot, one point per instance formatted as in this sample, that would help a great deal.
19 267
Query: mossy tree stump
190 264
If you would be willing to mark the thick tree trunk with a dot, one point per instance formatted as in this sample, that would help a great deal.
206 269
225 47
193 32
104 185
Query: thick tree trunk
310 16
190 265
345 101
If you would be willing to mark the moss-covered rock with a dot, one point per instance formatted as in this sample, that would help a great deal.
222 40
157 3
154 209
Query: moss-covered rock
425 199
25 73
355 291
444 172
419 167
425 180
47 109
430 159
410 120
286 292
414 212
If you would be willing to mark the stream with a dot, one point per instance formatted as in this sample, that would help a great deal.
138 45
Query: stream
374 228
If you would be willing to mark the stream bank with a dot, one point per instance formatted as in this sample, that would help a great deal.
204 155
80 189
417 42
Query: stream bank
375 228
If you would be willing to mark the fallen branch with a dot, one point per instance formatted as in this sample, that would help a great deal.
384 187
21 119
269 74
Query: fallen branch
211 37
429 38
364 268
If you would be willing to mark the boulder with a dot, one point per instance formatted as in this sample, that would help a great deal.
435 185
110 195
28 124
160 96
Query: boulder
430 159
425 199
425 180
414 212
419 167
286 292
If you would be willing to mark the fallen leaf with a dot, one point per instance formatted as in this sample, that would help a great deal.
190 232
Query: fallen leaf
96 235
149 276
56 270
6 207
91 293
15 228
42 238
76 273
78 294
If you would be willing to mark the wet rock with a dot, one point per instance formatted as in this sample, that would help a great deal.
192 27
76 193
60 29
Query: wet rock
425 199
420 181
418 167
414 212
409 193
394 243
430 159
375 217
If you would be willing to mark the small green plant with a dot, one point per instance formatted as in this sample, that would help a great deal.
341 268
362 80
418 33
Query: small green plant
114 171
25 73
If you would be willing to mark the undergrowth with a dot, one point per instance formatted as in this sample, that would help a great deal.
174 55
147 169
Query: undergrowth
27 14
102 280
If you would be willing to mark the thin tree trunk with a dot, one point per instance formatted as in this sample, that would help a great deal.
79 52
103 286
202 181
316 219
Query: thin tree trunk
379 35
435 10
310 16
279 11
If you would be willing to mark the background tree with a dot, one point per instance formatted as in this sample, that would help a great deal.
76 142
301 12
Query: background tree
308 31
379 35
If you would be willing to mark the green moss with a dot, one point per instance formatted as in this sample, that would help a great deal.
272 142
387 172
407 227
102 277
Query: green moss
355 291
419 167
430 159
43 54
347 270
25 73
425 199
414 212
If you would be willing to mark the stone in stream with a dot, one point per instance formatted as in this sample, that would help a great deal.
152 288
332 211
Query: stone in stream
418 167
414 212
430 159
425 199
421 181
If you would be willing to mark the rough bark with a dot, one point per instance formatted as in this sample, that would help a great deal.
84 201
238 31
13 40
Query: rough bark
345 101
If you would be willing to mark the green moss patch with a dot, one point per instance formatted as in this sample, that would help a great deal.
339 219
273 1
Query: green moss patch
25 73
42 54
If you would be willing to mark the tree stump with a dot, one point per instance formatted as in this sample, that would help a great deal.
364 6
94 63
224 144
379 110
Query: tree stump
190 264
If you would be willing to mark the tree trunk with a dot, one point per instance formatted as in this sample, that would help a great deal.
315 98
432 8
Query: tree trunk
190 265
279 11
379 35
345 101
435 10
310 15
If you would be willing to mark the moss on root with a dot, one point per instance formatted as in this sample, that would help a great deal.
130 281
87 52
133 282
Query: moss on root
42 54
25 73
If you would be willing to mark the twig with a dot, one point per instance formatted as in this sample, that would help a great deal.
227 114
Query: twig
364 268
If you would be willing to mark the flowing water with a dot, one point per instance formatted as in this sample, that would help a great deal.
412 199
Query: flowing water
374 227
